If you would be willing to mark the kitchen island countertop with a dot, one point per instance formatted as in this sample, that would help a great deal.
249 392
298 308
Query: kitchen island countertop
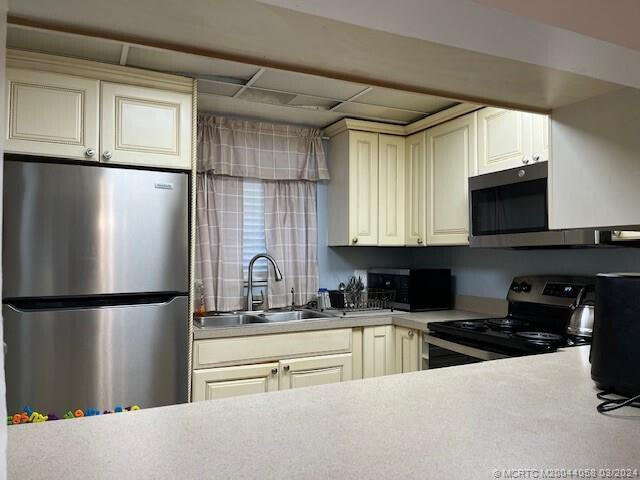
456 423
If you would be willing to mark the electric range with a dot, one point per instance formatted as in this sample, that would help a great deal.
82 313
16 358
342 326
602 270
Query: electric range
537 319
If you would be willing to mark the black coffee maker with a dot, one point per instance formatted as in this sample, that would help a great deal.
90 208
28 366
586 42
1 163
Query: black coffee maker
615 347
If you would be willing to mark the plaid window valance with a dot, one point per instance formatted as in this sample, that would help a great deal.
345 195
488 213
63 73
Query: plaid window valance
268 151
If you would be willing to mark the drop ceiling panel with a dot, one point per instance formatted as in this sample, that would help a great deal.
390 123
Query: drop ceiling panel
165 61
264 96
269 113
411 101
63 44
380 113
308 84
218 88
315 102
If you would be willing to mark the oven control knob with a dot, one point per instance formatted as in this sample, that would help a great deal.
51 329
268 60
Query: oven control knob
525 287
515 286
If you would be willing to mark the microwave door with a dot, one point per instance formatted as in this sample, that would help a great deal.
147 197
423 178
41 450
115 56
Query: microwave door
509 208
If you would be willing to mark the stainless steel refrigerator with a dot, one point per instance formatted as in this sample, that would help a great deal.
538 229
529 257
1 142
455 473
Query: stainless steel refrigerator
95 263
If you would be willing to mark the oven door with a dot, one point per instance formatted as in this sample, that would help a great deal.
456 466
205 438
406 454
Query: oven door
447 353
509 209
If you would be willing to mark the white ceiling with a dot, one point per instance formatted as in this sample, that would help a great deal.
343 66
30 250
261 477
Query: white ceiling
239 89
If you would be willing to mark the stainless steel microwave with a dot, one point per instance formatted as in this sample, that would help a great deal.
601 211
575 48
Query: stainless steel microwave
510 209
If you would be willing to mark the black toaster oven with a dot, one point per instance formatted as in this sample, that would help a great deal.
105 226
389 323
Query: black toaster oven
414 289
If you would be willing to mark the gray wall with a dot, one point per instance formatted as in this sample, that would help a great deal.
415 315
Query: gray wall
488 272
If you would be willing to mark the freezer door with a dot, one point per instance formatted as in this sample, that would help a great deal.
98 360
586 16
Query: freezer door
72 230
59 360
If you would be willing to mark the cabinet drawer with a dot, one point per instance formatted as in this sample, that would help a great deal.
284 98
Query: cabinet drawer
260 348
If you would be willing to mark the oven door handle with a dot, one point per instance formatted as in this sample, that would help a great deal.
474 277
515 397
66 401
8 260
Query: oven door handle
463 349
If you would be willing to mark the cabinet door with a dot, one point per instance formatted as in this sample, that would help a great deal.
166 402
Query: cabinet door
377 351
145 126
407 350
451 156
503 139
415 189
51 114
306 372
539 137
212 383
363 188
391 185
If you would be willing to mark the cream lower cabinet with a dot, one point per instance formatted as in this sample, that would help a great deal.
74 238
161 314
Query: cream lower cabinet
509 139
451 159
378 356
407 350
52 114
221 382
306 372
213 383
415 190
145 126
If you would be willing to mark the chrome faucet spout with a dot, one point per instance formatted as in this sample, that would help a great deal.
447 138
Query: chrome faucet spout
277 276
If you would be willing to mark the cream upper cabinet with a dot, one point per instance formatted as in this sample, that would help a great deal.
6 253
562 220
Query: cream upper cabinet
51 114
407 350
213 383
415 189
504 139
363 188
451 159
353 189
509 139
378 356
145 126
391 190
539 137
306 372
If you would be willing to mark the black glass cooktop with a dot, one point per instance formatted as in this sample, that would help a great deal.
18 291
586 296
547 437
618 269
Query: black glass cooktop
509 335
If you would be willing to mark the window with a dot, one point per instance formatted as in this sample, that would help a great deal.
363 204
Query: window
253 231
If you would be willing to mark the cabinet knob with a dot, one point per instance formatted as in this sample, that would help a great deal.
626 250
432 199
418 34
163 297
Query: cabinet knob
536 158
525 160
107 155
89 152
410 333
286 368
355 240
274 371
521 173
419 241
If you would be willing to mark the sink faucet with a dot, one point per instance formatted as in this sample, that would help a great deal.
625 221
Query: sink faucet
278 276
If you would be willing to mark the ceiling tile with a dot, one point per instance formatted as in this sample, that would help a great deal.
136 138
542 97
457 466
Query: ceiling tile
165 61
217 88
308 84
387 97
378 113
63 44
309 101
234 107
263 96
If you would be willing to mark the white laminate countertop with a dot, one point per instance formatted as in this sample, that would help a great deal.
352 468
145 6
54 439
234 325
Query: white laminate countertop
450 423
418 321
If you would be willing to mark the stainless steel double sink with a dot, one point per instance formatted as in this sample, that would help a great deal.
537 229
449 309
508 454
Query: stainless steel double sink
257 318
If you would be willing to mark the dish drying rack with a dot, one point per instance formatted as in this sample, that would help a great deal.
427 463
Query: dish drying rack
361 300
